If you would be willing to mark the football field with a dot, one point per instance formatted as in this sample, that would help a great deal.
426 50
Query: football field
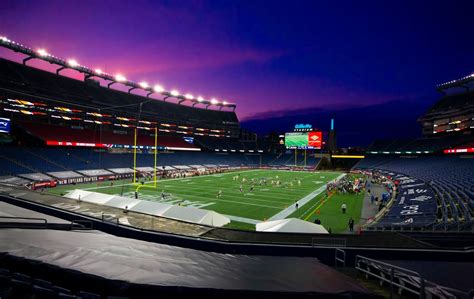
267 201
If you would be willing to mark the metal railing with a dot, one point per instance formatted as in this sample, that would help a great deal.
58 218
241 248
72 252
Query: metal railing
339 257
89 224
404 279
43 221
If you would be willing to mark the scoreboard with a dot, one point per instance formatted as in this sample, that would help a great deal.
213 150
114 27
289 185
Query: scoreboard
303 140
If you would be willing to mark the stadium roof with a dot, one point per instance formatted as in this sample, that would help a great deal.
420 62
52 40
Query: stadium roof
456 83
42 54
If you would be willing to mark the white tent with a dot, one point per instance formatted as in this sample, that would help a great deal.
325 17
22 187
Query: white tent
187 214
196 215
291 225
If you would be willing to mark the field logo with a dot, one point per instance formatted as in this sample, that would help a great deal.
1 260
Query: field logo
405 222
4 125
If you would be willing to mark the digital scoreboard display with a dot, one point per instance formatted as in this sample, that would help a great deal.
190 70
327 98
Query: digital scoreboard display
303 140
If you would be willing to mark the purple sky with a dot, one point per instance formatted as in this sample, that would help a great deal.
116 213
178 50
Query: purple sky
268 57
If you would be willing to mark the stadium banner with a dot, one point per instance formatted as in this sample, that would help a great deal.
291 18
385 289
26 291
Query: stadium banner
459 150
81 144
4 125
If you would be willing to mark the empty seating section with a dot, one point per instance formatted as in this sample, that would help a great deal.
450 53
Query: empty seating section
451 179
61 133
212 143
21 160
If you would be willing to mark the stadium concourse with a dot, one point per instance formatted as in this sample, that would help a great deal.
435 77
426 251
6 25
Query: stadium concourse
106 192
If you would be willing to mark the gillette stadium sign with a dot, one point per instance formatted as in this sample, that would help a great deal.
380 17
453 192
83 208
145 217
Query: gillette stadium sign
4 125
303 127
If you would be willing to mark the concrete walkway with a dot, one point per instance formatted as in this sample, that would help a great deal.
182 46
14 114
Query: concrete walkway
369 210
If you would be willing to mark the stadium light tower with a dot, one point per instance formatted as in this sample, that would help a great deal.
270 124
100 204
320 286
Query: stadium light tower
97 72
212 102
118 79
172 93
71 63
224 103
44 55
157 88
198 100
186 97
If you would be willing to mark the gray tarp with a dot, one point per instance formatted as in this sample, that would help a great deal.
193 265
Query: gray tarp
156 264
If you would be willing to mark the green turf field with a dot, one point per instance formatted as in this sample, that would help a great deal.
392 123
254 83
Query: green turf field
266 202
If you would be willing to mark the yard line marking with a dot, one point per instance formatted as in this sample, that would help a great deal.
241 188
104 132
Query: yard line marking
325 199
175 179
226 200
290 209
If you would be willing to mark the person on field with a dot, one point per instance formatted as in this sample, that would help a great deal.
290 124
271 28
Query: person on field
343 208
351 224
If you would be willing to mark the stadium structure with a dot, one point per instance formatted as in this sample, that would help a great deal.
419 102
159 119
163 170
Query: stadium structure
139 190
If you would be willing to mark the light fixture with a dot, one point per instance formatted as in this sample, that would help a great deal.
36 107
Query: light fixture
120 78
42 52
158 88
72 62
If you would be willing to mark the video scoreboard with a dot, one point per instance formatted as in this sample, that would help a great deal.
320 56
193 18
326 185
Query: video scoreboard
303 140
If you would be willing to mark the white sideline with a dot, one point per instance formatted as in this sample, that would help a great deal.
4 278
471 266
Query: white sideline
301 202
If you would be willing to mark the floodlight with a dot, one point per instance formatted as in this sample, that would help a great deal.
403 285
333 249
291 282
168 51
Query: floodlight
42 52
200 99
214 101
5 39
158 88
98 71
225 103
189 96
143 85
120 78
72 62
174 93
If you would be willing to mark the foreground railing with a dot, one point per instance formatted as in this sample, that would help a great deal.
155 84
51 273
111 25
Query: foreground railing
405 280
